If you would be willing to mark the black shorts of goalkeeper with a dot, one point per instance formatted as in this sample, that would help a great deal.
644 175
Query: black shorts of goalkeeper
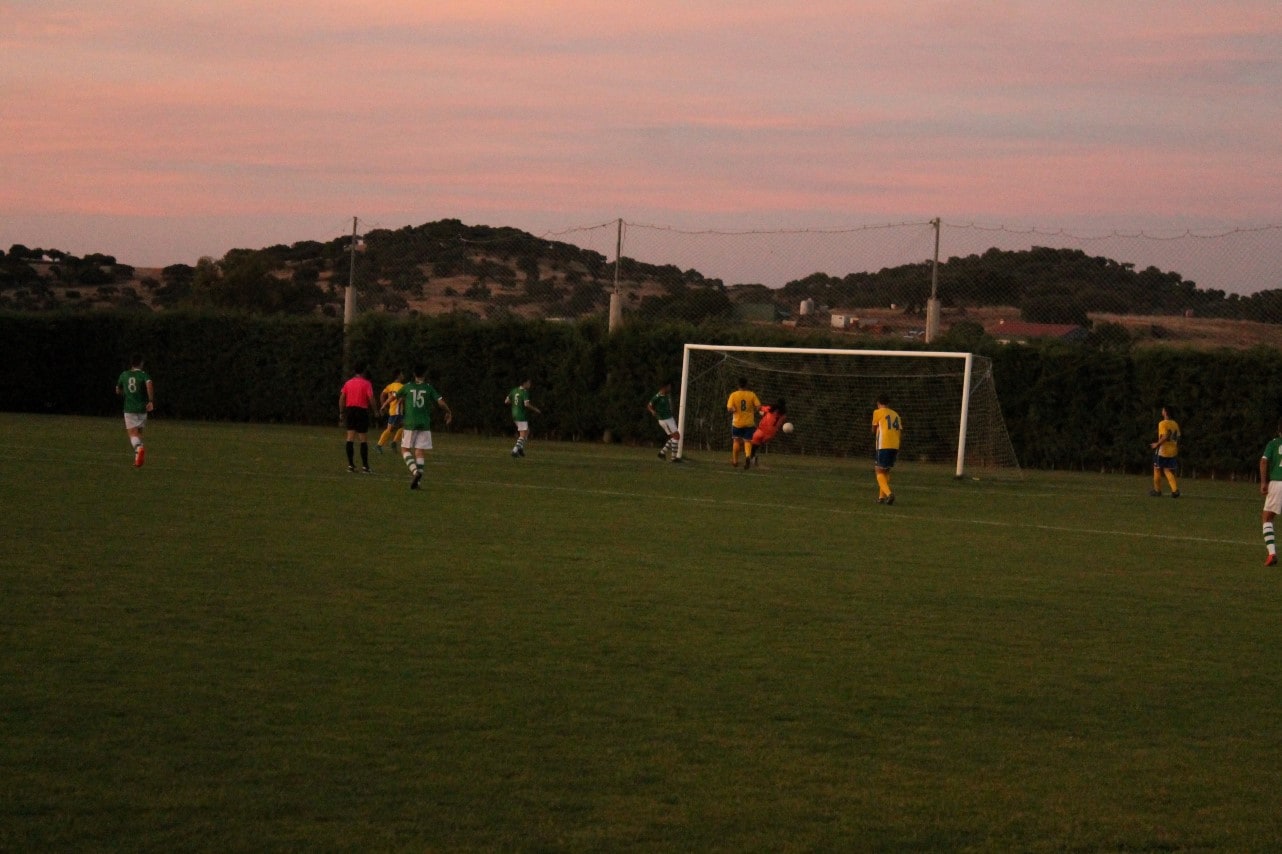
885 458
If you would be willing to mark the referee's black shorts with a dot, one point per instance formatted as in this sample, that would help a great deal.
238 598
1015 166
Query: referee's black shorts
356 418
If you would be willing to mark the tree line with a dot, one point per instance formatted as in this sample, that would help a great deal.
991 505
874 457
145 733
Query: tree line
1066 407
1047 285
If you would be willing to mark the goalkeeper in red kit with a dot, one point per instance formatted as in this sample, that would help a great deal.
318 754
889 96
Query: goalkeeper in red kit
773 417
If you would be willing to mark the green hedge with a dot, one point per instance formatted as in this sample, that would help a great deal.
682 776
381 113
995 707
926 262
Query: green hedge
1073 408
208 367
1067 407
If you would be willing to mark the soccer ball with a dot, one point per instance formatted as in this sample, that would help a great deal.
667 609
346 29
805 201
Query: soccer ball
787 427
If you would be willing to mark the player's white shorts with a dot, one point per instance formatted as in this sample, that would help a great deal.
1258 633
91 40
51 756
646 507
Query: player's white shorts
522 426
669 425
135 420
1273 501
420 440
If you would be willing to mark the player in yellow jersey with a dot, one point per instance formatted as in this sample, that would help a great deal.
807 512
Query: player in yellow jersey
886 431
1166 455
391 404
742 406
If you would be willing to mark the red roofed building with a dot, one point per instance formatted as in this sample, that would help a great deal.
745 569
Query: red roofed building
1019 332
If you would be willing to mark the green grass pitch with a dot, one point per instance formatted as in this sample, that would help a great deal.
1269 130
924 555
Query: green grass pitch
243 647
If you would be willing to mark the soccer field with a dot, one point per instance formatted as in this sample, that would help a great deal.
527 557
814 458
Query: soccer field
241 646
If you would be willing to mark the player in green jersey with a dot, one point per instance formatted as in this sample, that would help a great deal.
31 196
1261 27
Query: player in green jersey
1271 489
135 386
416 401
519 399
660 406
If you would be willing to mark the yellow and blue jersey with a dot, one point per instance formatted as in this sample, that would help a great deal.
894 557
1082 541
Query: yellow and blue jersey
744 404
1168 436
393 402
886 423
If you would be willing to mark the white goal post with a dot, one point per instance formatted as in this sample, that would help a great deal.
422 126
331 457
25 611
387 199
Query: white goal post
947 400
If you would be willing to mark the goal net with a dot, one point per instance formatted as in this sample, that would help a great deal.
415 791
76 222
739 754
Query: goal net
948 402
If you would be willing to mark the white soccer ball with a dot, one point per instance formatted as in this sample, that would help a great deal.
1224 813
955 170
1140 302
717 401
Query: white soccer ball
787 427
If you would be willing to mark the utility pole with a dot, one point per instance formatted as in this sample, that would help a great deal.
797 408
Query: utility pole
349 299
932 304
616 307
616 298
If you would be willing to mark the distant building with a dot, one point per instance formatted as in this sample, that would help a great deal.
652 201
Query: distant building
756 312
1019 332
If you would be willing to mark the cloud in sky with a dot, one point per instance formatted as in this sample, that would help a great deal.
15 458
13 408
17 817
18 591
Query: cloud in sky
172 130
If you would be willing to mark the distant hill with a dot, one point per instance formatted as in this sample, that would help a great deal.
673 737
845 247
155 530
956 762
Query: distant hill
447 266
434 268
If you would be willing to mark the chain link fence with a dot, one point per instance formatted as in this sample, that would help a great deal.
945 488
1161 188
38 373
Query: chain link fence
905 281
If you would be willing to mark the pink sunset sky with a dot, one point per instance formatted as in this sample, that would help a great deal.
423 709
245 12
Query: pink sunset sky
163 130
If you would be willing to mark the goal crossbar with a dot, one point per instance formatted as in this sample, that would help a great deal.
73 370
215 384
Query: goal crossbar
966 359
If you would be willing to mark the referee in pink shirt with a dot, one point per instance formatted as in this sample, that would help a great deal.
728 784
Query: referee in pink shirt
355 405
